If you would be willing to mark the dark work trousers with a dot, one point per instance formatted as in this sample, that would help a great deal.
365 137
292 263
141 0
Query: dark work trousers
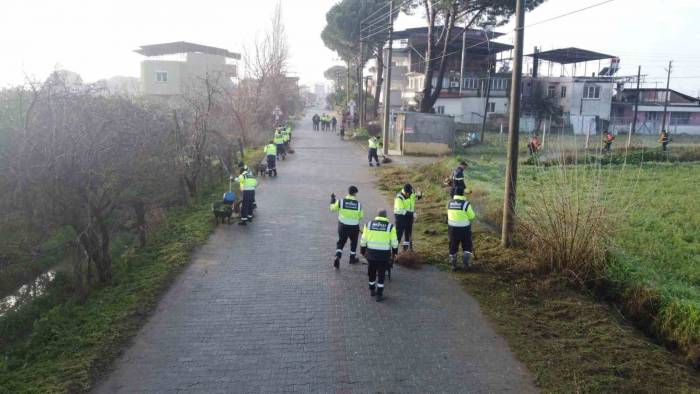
280 151
404 227
664 144
372 154
247 205
271 162
344 232
376 269
460 235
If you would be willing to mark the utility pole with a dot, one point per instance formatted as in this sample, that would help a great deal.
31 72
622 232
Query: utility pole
513 130
360 72
387 84
636 101
347 88
364 104
461 66
486 106
668 95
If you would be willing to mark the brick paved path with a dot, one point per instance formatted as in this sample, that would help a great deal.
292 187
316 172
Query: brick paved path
261 309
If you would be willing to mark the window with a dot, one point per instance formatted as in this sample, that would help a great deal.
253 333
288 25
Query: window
652 116
680 118
161 76
563 91
499 84
551 91
491 107
440 109
471 83
591 92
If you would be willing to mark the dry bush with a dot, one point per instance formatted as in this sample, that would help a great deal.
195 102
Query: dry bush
565 221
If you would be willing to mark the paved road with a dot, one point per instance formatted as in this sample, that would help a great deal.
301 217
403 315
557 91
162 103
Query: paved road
261 310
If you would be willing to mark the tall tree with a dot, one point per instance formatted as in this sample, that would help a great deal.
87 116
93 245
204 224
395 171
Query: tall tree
343 32
441 17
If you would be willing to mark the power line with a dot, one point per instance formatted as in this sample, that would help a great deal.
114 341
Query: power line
381 19
569 13
375 11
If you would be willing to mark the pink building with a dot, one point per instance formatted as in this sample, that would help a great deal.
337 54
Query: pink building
682 117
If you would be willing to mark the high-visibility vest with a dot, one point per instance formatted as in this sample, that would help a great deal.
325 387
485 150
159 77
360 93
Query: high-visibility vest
278 139
246 181
270 150
349 210
285 135
379 234
404 205
459 212
373 143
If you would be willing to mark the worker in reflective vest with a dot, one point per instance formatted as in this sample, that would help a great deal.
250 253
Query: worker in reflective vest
271 156
379 245
279 143
373 145
349 215
459 230
405 212
457 178
247 184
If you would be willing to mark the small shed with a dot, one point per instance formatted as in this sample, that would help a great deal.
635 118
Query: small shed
423 134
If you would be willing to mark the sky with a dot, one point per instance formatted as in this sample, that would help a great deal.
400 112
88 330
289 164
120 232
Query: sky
96 38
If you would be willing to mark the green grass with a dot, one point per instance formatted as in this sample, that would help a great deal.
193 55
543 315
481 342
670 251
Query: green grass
567 338
71 342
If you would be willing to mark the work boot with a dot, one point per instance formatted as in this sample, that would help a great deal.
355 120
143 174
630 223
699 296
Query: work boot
242 223
453 261
466 256
377 164
405 248
336 262
380 295
353 259
372 291
370 164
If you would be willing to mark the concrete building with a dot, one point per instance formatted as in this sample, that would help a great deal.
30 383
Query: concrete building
584 99
174 68
683 112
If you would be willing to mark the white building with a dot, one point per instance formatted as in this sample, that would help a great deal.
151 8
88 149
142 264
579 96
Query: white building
173 68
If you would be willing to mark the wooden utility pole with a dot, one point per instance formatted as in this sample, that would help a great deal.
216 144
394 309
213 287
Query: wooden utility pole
486 106
636 102
347 88
387 84
513 130
461 65
360 92
668 95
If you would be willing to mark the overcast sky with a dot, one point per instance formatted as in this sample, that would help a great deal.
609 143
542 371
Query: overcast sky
96 38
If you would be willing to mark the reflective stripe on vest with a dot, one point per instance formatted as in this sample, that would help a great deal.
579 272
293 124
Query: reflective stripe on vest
457 213
378 235
404 205
349 211
247 182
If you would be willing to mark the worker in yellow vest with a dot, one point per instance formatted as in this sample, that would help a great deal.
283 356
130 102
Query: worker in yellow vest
271 157
459 230
379 245
349 215
373 145
404 213
278 140
247 184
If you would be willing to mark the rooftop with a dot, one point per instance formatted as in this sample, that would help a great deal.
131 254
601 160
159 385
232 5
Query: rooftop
571 55
476 42
172 48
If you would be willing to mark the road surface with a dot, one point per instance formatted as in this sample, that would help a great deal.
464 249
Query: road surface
261 310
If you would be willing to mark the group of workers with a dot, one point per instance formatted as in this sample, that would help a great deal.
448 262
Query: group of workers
277 147
324 122
379 242
608 138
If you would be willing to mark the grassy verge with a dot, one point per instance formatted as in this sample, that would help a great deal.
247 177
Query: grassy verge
567 339
71 342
